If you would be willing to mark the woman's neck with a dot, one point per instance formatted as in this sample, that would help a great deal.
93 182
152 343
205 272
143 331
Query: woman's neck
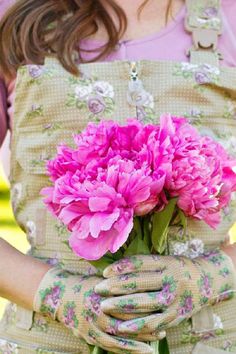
131 7
151 20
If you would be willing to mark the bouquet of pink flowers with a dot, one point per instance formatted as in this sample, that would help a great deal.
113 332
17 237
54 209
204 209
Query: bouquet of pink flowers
119 189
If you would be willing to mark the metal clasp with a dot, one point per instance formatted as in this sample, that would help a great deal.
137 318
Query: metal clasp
205 39
133 71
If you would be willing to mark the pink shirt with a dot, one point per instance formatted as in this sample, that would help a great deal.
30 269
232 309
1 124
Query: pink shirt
171 43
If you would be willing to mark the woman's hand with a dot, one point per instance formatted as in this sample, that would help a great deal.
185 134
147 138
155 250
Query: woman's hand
71 300
169 288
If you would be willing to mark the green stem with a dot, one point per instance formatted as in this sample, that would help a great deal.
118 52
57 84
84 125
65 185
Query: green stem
163 347
146 231
152 250
155 347
138 227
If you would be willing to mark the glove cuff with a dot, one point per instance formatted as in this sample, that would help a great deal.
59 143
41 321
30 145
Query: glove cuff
50 292
228 272
219 274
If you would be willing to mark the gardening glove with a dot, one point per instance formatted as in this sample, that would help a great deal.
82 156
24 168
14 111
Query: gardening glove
71 300
171 288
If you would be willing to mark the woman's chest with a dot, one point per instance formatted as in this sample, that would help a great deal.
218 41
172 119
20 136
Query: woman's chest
51 104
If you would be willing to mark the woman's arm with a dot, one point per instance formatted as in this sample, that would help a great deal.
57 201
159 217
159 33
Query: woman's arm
20 275
24 279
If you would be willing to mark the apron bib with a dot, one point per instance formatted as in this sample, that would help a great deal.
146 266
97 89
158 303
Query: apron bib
52 104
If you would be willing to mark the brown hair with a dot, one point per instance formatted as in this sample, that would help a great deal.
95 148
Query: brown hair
31 29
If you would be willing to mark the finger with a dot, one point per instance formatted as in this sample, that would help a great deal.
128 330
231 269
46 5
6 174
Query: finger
128 265
129 316
110 325
130 283
116 344
151 324
140 263
147 337
135 303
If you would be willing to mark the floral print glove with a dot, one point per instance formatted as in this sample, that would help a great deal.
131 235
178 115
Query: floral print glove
170 288
71 299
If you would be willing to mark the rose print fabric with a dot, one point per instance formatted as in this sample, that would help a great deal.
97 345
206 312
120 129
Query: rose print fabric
178 287
54 120
133 275
72 300
50 105
171 43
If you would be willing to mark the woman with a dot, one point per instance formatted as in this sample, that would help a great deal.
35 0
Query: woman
129 45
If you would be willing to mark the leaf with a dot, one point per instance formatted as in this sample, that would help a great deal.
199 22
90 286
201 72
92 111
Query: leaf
118 255
71 102
80 104
138 227
160 223
137 246
103 262
163 347
183 219
67 244
147 231
96 350
74 81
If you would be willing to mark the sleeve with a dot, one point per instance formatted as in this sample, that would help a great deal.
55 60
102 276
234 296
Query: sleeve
229 31
4 5
3 111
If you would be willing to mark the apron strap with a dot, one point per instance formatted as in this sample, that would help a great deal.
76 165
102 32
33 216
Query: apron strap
203 321
204 21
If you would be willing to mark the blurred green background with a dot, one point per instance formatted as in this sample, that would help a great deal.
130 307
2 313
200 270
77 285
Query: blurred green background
8 228
11 232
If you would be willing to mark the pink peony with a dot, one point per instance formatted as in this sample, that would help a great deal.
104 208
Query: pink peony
62 163
202 175
117 172
99 213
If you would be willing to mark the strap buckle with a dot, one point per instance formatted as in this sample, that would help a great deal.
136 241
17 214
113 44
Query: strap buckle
204 21
205 39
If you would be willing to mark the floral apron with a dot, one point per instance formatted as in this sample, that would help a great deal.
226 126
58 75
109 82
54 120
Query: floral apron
51 104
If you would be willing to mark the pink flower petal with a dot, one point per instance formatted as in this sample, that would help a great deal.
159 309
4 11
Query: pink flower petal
73 211
98 203
90 248
81 228
102 222
94 248
123 228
